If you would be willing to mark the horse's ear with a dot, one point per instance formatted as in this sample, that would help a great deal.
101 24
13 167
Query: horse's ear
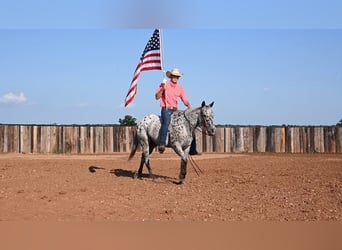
211 104
203 104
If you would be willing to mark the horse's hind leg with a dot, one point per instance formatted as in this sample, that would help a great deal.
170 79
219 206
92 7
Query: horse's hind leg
142 162
145 160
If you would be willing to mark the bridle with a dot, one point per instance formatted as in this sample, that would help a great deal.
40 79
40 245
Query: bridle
202 123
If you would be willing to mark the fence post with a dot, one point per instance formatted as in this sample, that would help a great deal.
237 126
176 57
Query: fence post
338 139
329 140
98 139
219 140
199 140
9 138
319 140
25 139
260 138
108 139
71 142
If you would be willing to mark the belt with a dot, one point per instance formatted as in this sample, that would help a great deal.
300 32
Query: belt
171 108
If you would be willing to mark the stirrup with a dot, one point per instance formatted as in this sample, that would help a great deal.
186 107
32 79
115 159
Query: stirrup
161 149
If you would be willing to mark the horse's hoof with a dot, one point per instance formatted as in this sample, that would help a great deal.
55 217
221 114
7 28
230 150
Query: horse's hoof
136 176
180 182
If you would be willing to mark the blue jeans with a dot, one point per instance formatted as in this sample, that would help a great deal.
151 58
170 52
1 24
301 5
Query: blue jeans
165 122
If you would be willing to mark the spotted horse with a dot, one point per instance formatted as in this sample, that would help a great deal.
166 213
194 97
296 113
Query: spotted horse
181 129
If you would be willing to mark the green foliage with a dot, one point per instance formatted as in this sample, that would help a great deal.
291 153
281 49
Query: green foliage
128 120
339 123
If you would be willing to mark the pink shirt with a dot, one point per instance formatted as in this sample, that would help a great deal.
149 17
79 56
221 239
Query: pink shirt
171 95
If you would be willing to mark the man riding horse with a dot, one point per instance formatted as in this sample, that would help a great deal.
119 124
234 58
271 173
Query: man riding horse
175 129
168 93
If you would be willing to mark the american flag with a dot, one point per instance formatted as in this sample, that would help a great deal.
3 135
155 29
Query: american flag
149 60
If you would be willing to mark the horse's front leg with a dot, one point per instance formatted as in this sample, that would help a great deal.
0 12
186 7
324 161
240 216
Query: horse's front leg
183 171
184 162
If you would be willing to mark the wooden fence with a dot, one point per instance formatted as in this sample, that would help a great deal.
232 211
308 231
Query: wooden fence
113 138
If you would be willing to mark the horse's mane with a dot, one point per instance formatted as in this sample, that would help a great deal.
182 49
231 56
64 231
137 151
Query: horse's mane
191 115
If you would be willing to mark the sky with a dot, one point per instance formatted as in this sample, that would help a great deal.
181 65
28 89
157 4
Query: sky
262 62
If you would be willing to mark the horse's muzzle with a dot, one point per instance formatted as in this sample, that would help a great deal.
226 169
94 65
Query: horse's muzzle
211 131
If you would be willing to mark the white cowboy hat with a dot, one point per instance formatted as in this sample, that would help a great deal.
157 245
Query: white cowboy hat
173 72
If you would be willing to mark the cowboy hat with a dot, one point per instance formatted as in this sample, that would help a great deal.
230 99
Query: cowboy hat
173 72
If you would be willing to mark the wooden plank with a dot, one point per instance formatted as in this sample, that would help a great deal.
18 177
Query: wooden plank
204 142
219 140
208 143
227 140
199 141
270 141
3 138
303 139
98 139
292 140
238 140
116 138
296 140
122 139
132 131
15 134
126 139
248 139
86 139
108 145
289 140
9 138
259 143
338 133
280 140
319 139
25 139
36 138
45 139
233 139
329 140
71 139
311 139
50 138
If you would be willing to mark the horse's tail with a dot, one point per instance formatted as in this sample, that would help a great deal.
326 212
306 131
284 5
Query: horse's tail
134 146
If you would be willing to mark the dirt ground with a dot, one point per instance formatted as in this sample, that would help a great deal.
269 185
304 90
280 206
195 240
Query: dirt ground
232 187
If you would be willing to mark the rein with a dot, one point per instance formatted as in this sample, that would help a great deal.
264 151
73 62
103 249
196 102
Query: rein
202 123
195 165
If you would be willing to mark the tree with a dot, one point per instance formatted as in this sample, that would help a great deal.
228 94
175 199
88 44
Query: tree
339 123
128 120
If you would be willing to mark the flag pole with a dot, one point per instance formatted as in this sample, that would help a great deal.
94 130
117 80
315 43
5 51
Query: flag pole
162 55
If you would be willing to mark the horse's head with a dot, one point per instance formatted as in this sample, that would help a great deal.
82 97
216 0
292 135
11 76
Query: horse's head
207 118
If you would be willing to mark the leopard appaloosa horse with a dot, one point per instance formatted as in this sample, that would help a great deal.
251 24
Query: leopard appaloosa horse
181 131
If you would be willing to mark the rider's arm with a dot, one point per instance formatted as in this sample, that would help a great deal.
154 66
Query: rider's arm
160 91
